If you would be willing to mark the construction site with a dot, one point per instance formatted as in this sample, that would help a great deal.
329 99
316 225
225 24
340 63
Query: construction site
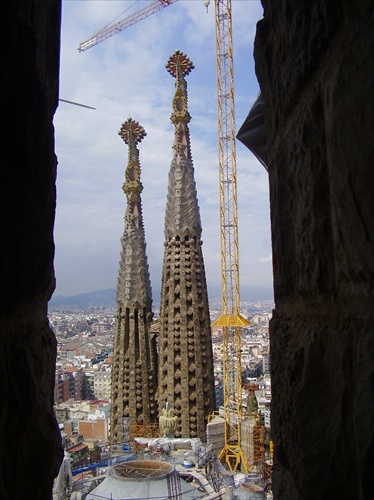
161 467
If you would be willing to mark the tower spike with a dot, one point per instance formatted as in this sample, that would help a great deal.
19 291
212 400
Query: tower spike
186 377
134 372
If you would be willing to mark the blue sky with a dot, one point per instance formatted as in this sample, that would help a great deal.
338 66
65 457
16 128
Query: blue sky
124 77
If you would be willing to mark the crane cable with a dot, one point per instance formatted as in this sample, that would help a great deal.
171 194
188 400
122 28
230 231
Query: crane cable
119 15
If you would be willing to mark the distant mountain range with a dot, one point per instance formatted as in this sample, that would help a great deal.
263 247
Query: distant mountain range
107 298
85 301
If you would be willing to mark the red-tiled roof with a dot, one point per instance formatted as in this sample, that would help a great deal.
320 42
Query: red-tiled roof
77 447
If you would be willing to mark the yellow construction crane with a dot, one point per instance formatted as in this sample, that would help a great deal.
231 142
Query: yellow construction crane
231 321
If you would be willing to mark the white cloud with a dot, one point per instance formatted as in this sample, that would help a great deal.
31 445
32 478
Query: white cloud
126 76
267 258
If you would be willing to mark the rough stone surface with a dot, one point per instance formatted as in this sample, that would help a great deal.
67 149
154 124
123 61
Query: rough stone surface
314 62
30 442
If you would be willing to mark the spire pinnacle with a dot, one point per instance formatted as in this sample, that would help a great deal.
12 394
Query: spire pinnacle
179 66
132 130
134 350
186 375
179 62
132 134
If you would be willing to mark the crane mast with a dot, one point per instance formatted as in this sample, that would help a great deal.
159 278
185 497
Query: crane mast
231 320
227 159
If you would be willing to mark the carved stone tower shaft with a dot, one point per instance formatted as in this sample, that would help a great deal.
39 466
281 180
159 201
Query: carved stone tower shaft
134 372
186 378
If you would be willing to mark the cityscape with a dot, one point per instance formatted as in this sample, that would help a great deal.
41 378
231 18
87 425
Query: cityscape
83 374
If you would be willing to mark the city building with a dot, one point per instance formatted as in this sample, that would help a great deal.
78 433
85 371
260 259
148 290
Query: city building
102 384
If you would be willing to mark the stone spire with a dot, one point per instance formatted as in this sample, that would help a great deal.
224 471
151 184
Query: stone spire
134 371
186 378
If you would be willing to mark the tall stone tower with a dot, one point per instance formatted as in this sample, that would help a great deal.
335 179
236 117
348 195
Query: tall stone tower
134 371
186 378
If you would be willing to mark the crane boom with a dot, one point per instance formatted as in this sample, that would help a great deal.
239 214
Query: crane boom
138 16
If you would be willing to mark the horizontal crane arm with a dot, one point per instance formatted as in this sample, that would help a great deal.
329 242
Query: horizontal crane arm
125 23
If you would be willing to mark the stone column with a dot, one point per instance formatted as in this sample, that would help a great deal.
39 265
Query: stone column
314 62
30 441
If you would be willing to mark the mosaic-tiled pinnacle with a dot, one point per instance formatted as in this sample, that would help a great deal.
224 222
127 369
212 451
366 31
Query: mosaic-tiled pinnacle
186 378
134 371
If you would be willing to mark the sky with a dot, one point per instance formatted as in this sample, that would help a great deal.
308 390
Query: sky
124 77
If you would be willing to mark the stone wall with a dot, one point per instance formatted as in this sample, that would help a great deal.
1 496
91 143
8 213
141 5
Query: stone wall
30 448
314 62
